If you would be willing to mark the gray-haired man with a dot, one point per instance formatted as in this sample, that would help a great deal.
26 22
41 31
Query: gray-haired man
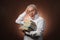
31 13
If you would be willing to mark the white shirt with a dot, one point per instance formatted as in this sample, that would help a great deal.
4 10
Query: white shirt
40 22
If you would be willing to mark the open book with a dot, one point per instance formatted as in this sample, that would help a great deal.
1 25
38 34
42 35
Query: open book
29 25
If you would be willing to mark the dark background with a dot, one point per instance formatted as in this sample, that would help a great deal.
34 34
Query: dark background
10 9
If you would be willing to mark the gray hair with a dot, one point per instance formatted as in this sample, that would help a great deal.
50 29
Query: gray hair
32 5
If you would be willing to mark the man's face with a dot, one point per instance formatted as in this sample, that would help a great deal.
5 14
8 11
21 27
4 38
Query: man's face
31 11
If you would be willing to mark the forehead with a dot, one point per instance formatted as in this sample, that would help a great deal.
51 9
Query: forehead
30 8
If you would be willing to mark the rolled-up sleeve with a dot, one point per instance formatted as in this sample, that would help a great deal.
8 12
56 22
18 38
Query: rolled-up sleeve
20 18
40 26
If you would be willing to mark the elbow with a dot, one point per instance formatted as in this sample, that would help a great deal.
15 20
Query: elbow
17 21
38 34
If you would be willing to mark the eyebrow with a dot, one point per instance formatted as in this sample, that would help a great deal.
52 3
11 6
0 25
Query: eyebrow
31 10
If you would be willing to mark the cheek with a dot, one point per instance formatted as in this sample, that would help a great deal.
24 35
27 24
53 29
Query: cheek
33 12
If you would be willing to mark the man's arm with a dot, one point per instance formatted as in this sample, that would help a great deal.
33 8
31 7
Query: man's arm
40 28
20 18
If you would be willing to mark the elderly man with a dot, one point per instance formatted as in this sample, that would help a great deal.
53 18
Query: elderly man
32 14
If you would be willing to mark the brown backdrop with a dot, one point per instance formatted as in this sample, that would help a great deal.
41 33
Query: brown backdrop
10 9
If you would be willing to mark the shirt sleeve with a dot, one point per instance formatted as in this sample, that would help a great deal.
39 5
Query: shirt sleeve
20 18
40 27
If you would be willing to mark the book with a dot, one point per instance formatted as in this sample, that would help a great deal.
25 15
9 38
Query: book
29 25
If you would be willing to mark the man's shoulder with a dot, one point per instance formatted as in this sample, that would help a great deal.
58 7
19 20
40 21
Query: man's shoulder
40 18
